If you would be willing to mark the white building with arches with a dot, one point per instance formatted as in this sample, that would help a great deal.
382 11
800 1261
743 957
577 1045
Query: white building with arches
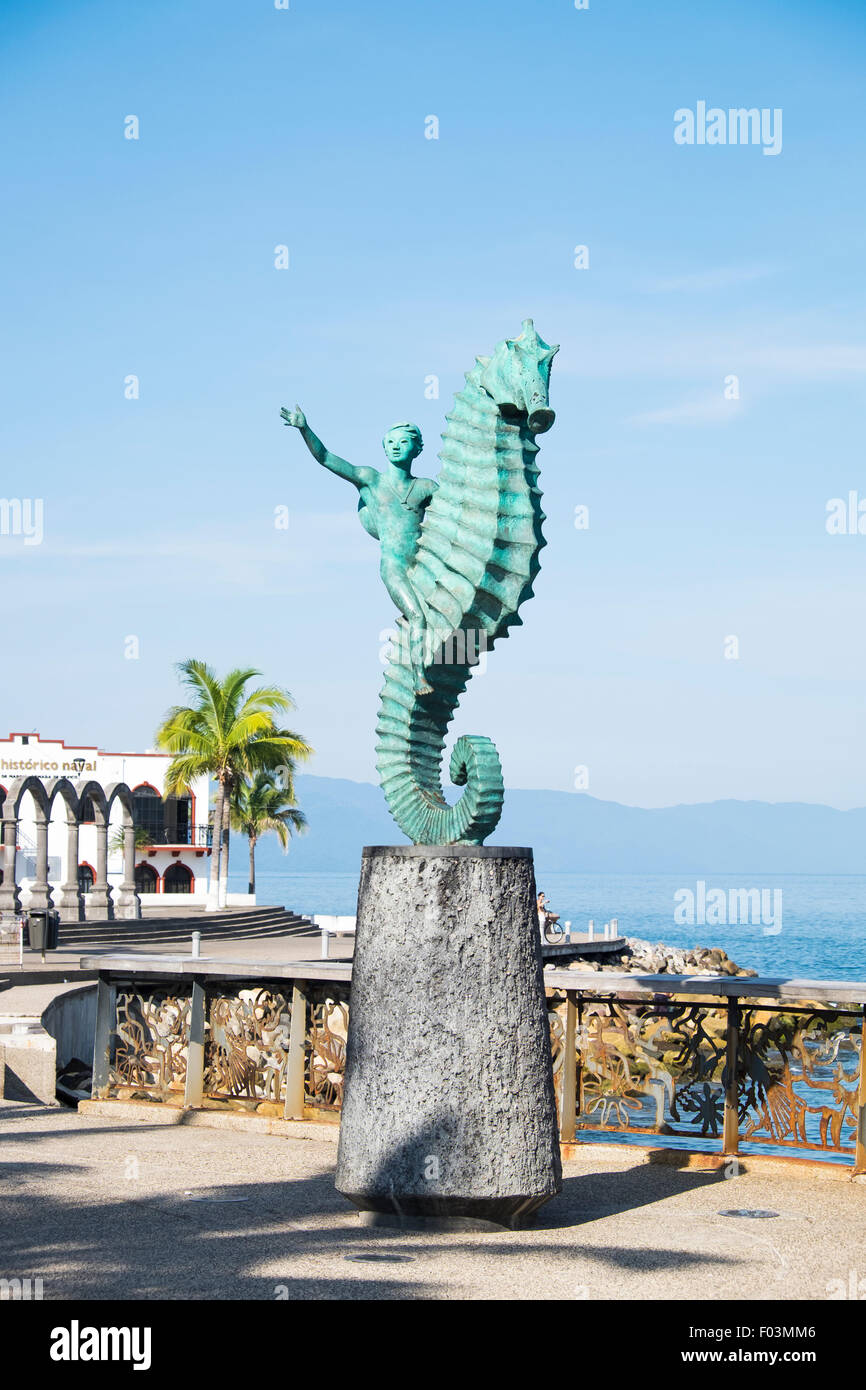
172 839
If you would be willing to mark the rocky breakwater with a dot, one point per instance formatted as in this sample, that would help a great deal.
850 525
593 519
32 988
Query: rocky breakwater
646 958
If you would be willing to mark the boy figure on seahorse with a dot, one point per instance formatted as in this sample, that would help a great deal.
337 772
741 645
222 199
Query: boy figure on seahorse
459 557
391 508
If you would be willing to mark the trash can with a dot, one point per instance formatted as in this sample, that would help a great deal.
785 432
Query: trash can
43 923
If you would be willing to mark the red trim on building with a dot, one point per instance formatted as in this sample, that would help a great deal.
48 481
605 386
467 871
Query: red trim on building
143 864
79 747
189 873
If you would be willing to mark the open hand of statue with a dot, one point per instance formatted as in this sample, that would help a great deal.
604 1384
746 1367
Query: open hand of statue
295 417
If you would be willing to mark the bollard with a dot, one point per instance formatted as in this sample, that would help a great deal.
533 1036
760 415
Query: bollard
591 929
196 944
614 927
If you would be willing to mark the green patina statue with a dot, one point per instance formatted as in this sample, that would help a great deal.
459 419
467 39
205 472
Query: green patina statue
458 558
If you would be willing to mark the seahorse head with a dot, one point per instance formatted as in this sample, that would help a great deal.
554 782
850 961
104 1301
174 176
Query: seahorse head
517 376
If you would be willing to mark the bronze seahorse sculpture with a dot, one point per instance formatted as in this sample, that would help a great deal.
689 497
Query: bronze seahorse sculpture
459 557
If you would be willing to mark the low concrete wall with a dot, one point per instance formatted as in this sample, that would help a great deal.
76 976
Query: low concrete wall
173 899
164 901
70 1018
27 1066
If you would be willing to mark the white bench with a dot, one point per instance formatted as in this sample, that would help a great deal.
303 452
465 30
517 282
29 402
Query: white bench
332 926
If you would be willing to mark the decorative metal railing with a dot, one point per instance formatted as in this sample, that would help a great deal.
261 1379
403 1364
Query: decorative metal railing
667 1061
277 1047
194 836
749 1066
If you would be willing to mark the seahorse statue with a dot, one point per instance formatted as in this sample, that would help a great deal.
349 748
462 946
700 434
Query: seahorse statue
459 557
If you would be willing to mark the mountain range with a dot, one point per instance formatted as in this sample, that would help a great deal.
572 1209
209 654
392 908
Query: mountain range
573 832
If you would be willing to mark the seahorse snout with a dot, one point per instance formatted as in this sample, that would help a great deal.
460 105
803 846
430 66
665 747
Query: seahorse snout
540 418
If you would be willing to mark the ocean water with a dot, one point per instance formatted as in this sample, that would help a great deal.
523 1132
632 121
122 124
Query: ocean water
818 930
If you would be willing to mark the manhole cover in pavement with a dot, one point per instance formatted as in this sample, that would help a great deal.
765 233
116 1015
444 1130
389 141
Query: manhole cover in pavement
384 1259
194 1197
754 1213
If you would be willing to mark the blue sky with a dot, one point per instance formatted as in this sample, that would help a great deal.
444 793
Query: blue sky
262 127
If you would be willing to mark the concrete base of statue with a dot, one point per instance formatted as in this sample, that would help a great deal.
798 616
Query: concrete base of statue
448 1118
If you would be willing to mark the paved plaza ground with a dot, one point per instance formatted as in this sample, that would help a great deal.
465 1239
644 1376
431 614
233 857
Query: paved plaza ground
108 1207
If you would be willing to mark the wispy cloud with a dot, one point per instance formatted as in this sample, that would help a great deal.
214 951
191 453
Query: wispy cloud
709 410
611 352
714 278
304 536
824 359
250 560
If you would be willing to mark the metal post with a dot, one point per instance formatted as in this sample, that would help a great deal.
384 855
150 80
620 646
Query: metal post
731 1128
194 1088
860 1149
196 944
106 995
591 929
568 1103
294 1106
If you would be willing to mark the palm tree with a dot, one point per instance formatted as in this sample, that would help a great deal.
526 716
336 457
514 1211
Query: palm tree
229 734
117 842
264 803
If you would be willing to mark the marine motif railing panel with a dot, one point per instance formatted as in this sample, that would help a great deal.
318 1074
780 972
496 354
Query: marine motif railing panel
653 1069
246 1032
664 1068
327 1026
798 1079
246 1046
150 1043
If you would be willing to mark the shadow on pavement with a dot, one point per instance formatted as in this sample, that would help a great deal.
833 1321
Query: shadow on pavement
68 1223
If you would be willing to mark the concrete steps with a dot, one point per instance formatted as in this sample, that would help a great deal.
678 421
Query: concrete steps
159 931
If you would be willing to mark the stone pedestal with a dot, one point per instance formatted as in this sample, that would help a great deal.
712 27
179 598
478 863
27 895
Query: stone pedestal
448 1113
69 902
126 903
99 904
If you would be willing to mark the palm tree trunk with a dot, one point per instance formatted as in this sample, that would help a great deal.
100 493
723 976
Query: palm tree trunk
252 864
216 846
224 854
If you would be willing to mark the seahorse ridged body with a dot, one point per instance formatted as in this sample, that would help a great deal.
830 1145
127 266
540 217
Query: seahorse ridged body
475 563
